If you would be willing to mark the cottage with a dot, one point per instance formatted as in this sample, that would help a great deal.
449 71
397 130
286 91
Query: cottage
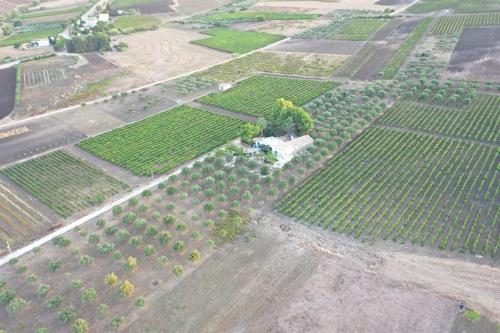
282 149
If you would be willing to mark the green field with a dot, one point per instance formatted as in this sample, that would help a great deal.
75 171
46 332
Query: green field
254 16
51 12
458 6
257 95
406 186
27 37
398 59
64 183
129 23
126 3
290 63
480 121
234 41
361 29
455 24
161 142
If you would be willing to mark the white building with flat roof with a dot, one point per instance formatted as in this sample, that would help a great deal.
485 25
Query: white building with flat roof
282 149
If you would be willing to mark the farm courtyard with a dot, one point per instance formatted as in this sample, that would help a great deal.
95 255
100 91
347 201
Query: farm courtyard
249 166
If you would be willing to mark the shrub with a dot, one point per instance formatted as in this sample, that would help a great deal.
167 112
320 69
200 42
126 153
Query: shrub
178 270
194 255
196 235
135 241
179 246
54 302
61 241
140 224
41 330
169 219
162 260
117 210
76 284
86 260
101 223
67 315
149 250
133 202
118 255
122 235
129 218
54 265
43 290
130 264
181 227
30 278
80 326
94 239
89 295
111 230
102 309
117 322
6 296
152 230
140 302
111 279
472 315
16 305
105 248
126 289
165 237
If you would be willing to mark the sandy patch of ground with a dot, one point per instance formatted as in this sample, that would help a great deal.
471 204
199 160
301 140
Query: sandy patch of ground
10 51
54 18
190 7
58 4
9 5
160 54
323 6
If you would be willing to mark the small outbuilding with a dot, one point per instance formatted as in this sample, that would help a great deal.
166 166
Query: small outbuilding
284 150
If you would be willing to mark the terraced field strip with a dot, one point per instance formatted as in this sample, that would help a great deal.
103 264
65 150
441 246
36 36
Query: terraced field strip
456 23
361 29
33 78
159 143
63 182
480 121
257 95
407 186
398 59
44 13
18 221
236 41
355 62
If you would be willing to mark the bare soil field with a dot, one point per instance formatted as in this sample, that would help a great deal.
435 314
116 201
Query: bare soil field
160 54
58 4
57 82
54 18
318 46
9 5
190 7
10 51
152 7
306 281
285 28
323 7
7 91
393 2
476 55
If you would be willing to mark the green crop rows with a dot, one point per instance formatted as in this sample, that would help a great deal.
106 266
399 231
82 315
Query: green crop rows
130 23
159 143
115 4
361 29
235 41
458 6
355 62
257 95
253 16
64 183
481 121
455 24
402 53
407 186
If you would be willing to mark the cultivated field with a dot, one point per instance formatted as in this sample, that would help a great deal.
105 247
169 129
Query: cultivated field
472 6
257 95
321 65
163 53
64 183
456 23
323 7
143 6
235 41
255 16
7 91
355 62
157 144
132 23
407 186
361 29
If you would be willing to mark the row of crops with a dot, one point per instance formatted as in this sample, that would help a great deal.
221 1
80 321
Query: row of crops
456 23
398 59
458 6
64 183
407 186
352 65
480 121
361 29
257 95
159 143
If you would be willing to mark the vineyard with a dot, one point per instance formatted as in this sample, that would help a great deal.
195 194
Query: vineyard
458 6
320 65
159 143
480 121
407 186
257 95
64 183
355 62
132 23
455 24
235 41
361 29
398 59
254 16
20 222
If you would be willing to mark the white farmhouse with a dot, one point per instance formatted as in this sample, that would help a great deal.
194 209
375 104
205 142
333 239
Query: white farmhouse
284 150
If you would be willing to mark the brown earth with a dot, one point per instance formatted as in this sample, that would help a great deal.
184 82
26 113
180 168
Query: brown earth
10 51
323 7
7 91
151 7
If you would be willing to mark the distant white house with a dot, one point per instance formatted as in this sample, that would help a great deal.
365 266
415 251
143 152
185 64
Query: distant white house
282 149
91 22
